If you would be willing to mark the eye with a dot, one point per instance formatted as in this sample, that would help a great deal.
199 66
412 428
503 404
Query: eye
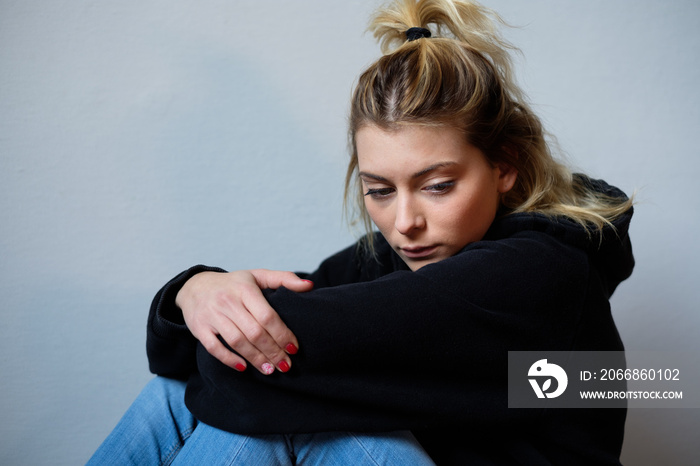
379 193
440 188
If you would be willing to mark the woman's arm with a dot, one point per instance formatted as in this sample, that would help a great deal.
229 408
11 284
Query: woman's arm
228 310
412 350
212 306
170 345
222 311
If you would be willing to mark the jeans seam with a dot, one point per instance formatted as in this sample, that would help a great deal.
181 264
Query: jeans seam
245 442
172 454
369 455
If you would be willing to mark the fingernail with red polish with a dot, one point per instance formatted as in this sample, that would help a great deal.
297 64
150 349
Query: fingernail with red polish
284 367
267 368
291 348
240 367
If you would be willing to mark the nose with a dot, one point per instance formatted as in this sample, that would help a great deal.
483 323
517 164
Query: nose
409 216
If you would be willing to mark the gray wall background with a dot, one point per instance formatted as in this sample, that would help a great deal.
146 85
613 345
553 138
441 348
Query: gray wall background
138 138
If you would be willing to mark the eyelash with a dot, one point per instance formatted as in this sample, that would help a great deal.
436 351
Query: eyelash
438 189
441 188
379 193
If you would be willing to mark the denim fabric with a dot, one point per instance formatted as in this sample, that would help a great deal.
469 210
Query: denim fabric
159 430
153 430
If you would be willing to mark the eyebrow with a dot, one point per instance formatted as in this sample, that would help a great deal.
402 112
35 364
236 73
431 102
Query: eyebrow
418 174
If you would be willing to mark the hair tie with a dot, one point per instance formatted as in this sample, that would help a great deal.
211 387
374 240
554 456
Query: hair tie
417 33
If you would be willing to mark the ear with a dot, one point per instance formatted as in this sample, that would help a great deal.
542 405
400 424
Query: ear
507 174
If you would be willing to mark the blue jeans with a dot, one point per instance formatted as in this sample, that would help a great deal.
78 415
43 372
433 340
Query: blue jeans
159 430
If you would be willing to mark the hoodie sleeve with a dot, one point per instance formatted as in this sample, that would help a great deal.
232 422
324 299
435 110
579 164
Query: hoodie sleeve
416 350
169 344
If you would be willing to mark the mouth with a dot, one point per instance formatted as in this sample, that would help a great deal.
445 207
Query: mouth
418 252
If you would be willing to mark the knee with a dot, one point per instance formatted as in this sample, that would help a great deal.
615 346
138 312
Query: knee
165 386
162 391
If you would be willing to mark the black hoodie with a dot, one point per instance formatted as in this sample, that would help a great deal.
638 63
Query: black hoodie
383 348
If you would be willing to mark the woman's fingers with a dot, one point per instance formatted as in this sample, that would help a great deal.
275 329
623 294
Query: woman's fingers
220 342
216 348
249 339
266 330
231 308
274 279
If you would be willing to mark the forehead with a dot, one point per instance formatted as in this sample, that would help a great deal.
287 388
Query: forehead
412 148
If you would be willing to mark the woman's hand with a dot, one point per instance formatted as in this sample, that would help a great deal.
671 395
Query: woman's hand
232 307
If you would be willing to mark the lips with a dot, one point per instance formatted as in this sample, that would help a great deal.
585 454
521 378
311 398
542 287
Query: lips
418 252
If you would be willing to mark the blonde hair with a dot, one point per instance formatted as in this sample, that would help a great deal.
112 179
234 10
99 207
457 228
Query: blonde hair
461 77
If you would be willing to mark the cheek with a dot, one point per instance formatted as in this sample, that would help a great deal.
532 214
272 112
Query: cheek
378 215
469 221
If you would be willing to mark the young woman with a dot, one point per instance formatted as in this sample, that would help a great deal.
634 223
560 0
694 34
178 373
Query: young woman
397 346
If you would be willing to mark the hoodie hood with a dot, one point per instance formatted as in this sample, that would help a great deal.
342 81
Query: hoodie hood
610 249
